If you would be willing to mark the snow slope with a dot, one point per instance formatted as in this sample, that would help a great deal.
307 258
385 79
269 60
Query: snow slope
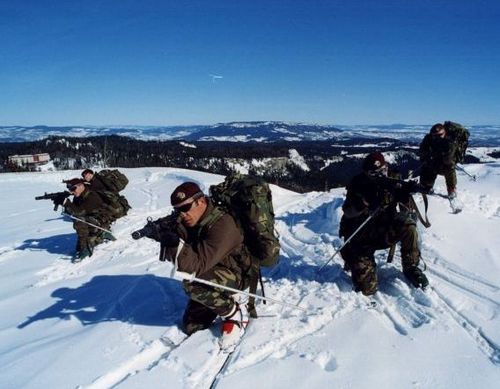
110 321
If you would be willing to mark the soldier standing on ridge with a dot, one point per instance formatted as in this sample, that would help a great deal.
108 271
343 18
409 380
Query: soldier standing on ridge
440 151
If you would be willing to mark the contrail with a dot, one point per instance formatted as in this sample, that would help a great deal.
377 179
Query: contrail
215 77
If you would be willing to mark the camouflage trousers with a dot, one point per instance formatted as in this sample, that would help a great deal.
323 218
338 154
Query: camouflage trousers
89 236
429 174
207 302
359 252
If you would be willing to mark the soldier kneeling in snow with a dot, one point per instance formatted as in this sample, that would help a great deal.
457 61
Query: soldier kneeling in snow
204 240
89 207
373 193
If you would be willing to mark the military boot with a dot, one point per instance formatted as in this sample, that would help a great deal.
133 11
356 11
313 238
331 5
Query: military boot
81 255
108 236
233 327
416 277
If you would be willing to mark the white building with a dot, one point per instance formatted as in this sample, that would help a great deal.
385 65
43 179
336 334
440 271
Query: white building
29 159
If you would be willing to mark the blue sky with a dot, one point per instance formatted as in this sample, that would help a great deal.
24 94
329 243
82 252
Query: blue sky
330 62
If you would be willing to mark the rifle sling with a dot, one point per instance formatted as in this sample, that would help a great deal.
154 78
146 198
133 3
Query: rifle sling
425 222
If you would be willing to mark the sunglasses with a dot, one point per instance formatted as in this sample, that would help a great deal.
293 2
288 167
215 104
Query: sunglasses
72 188
186 207
381 171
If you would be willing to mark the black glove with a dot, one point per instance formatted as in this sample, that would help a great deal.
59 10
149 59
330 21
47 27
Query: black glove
411 186
169 238
59 199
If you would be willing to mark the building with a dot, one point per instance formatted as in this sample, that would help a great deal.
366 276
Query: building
29 160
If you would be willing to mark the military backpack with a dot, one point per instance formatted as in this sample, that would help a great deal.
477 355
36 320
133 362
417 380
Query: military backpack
114 180
249 200
460 136
116 204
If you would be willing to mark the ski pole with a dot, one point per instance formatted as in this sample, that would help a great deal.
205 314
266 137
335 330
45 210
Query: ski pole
348 239
86 222
472 176
192 278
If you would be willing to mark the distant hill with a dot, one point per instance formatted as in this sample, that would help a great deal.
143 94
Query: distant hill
265 132
251 131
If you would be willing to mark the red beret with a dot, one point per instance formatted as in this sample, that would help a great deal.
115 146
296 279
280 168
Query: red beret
184 192
374 161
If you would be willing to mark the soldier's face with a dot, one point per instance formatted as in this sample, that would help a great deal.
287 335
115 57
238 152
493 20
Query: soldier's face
77 190
88 176
192 216
440 134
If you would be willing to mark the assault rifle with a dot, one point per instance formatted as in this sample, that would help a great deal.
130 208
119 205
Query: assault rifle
57 197
162 230
150 230
396 185
154 228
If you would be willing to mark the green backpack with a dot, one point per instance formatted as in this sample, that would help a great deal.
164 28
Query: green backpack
460 135
116 204
114 180
248 199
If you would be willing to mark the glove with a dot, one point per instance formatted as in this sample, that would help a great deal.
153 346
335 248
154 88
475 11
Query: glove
169 238
59 199
411 186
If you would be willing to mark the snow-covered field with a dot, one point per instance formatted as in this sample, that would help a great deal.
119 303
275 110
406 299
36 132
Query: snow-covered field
101 323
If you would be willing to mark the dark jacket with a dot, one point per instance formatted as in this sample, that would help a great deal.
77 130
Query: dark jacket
220 242
366 194
96 184
438 152
89 203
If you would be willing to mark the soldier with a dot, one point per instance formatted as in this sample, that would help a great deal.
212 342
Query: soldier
117 204
440 150
373 193
212 248
93 180
88 206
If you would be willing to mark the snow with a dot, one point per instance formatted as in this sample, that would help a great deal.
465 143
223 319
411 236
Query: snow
189 145
112 320
298 159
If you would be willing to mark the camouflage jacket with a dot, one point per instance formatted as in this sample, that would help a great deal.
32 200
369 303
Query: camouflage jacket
438 152
89 203
96 184
365 194
215 240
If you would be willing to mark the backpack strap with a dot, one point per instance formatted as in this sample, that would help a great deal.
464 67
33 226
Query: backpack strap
254 275
425 222
212 218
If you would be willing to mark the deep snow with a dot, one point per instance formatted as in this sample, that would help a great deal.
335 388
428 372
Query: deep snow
98 324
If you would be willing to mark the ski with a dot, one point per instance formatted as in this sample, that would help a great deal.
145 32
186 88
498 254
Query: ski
227 356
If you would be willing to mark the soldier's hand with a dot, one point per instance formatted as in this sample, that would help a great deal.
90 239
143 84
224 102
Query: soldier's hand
59 199
169 238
